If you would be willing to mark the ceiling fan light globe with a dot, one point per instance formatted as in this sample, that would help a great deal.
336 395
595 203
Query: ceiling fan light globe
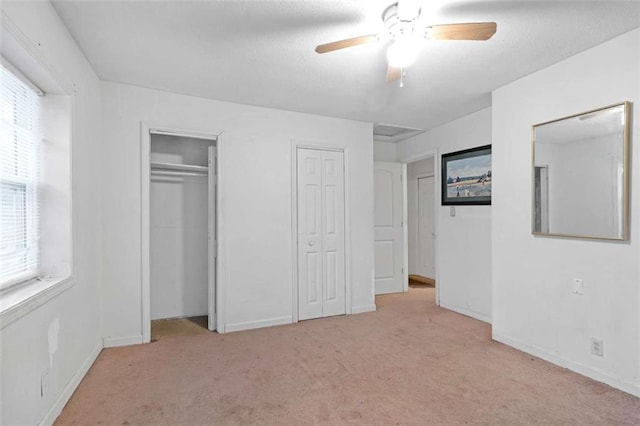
402 53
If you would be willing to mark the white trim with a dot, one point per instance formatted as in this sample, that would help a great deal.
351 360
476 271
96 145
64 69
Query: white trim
467 312
294 231
159 130
20 76
212 235
301 144
19 301
221 249
601 376
250 325
145 238
68 390
113 342
146 130
405 227
72 193
363 308
424 175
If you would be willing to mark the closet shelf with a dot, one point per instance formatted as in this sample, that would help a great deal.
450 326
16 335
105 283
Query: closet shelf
181 167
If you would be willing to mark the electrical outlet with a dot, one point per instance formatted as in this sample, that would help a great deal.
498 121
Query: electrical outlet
452 211
578 286
597 347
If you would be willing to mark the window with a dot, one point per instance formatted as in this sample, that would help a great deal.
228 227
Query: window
19 170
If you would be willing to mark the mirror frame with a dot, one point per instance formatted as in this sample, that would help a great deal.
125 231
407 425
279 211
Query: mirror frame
625 179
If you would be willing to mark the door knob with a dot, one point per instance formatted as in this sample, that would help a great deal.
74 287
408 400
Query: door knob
310 243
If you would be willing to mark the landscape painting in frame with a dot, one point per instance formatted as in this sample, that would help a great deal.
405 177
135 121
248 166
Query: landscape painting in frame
466 177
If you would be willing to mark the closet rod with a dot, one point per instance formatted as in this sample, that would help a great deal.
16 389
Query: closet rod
176 173
156 165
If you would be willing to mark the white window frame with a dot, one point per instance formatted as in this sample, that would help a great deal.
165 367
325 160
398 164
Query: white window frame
56 270
29 179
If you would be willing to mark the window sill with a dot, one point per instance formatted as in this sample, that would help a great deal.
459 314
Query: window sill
19 301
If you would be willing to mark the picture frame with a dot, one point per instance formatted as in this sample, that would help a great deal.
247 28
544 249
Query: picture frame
466 177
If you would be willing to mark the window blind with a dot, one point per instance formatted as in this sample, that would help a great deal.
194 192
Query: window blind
19 167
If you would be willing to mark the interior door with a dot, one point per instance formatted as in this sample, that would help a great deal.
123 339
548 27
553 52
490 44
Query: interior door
426 227
321 255
388 235
212 252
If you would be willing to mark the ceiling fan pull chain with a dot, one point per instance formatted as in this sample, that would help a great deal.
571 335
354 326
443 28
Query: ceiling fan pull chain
401 77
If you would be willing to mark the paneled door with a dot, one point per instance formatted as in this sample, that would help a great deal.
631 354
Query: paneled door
388 234
321 252
426 227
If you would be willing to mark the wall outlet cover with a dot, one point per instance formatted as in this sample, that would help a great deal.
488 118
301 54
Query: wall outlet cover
578 286
597 347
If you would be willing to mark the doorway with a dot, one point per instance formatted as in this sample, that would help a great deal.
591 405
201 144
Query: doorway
421 202
179 217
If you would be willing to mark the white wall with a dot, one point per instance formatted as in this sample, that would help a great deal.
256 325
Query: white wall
534 309
256 202
384 151
463 242
61 337
419 168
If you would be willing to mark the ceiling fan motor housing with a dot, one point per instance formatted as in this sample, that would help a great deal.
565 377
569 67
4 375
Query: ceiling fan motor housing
399 26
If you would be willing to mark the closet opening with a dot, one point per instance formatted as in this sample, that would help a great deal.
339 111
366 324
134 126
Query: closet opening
180 276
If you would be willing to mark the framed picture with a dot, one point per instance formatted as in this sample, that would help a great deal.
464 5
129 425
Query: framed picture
466 177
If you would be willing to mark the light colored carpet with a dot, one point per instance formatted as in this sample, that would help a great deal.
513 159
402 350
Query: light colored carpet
408 363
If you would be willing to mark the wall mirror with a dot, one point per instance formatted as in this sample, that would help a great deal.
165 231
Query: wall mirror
581 174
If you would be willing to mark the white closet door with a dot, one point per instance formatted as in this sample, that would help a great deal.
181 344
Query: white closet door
388 234
212 253
333 233
321 259
309 234
426 227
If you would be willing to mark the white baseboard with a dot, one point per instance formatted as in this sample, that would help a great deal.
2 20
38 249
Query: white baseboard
463 311
112 342
362 309
249 325
631 388
64 397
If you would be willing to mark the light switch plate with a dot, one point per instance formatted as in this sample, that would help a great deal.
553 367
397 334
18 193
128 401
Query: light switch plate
452 211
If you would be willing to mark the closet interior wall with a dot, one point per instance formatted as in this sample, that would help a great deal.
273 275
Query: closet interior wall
178 226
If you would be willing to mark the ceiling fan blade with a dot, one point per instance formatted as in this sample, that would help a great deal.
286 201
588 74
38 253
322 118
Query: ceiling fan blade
341 44
393 73
468 31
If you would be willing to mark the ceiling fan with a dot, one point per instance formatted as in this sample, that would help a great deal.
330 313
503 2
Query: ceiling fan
407 29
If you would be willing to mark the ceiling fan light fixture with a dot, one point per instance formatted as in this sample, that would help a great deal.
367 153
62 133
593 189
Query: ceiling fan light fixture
403 52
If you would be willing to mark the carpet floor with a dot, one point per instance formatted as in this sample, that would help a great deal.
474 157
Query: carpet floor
410 362
172 327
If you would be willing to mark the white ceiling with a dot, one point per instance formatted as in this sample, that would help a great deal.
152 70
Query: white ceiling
262 52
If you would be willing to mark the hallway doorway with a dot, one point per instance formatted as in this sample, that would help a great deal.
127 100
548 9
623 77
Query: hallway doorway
421 221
